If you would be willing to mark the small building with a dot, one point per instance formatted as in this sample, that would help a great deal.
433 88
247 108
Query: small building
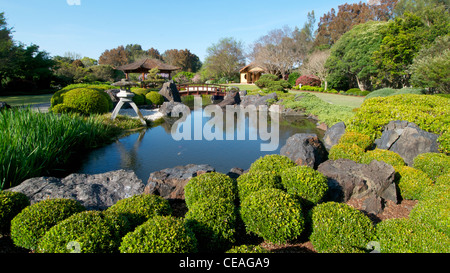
251 73
143 66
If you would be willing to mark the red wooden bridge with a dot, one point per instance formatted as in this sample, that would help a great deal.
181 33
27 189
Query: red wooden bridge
202 89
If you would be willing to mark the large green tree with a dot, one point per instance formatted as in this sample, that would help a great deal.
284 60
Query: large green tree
431 67
224 59
351 55
403 38
188 61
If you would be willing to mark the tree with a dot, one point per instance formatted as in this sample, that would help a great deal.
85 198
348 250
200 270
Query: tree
416 6
352 54
114 57
333 25
431 67
188 61
316 65
225 58
403 38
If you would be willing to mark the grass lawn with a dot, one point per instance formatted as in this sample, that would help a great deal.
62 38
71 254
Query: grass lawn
343 100
26 100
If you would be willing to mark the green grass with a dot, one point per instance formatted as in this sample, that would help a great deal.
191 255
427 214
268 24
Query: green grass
36 144
350 101
26 99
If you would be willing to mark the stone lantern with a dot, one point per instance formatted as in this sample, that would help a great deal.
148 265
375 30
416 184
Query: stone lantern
126 96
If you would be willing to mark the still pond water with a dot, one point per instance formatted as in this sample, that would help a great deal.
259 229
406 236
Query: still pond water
155 149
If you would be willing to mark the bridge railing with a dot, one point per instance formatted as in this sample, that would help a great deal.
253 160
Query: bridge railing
202 87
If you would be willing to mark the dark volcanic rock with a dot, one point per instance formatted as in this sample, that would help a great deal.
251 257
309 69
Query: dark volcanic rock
305 149
95 192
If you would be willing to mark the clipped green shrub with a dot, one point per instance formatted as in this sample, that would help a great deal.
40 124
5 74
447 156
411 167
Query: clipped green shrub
87 101
247 249
389 157
404 235
63 109
306 183
140 91
339 227
265 80
11 204
154 98
273 215
443 179
348 151
208 185
139 208
272 163
436 191
86 232
254 181
139 99
429 112
34 221
213 220
433 164
160 234
411 182
435 212
349 138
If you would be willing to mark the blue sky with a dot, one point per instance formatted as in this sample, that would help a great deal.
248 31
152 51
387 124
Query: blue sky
89 27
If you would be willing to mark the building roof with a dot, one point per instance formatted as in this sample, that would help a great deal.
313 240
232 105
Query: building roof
145 65
251 68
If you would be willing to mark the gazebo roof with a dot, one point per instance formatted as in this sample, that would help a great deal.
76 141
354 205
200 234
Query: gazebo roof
251 68
145 65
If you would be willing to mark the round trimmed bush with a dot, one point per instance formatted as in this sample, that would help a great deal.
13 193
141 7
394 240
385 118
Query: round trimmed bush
348 151
247 249
140 91
433 164
213 221
306 183
154 98
404 235
273 215
63 109
272 163
435 212
208 185
389 157
140 208
34 221
11 204
254 181
349 138
443 179
86 101
411 182
139 99
338 226
86 232
160 234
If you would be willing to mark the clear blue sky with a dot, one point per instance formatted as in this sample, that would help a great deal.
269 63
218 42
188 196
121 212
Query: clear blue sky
89 27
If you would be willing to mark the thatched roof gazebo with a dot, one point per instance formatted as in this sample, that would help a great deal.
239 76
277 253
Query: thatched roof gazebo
143 66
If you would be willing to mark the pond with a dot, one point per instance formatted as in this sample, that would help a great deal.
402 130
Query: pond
159 147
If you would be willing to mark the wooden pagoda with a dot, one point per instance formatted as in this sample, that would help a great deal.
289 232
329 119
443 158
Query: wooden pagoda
143 66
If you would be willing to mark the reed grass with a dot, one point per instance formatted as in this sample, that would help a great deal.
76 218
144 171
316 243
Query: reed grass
37 144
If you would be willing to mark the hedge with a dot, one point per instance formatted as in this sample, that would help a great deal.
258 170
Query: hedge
28 227
339 227
11 204
433 164
272 163
411 182
86 232
431 113
254 181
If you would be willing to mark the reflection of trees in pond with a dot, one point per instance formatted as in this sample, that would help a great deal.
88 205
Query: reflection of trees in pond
129 159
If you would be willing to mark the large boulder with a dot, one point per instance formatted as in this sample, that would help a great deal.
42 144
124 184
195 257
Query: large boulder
95 192
305 149
333 135
350 180
257 99
4 106
169 183
231 98
171 106
170 92
408 140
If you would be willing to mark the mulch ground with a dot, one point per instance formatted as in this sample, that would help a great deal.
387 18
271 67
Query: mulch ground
391 210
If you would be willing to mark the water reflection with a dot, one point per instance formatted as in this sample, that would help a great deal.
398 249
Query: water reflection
155 149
